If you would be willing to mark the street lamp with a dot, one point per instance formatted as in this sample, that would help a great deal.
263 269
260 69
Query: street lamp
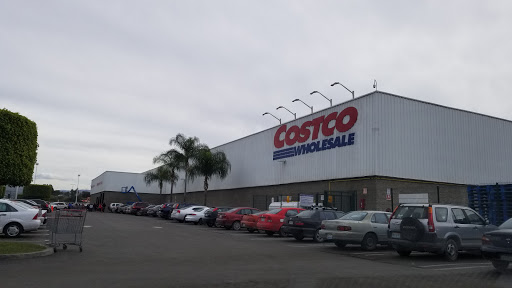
272 116
77 185
330 100
310 107
338 83
294 114
35 174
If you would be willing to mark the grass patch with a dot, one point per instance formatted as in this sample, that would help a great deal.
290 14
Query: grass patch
19 247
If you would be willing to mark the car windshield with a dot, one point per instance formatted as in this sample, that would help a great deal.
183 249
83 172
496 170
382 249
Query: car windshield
354 216
417 212
306 214
274 211
507 224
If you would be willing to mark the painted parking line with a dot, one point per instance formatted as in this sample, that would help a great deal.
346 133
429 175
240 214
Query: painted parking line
369 253
87 226
157 227
459 268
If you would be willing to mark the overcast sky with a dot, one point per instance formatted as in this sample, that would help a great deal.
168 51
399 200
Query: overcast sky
110 82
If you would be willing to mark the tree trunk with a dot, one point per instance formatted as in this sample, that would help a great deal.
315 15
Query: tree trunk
205 189
185 192
172 186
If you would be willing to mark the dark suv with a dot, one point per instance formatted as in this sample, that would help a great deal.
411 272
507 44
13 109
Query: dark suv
307 223
211 215
137 208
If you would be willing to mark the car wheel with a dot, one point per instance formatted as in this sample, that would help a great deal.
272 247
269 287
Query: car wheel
369 242
403 253
139 213
210 224
340 244
317 238
250 230
195 223
236 225
269 233
200 222
451 250
13 230
499 265
281 233
298 237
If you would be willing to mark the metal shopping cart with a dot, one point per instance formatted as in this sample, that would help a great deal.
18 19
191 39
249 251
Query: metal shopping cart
66 227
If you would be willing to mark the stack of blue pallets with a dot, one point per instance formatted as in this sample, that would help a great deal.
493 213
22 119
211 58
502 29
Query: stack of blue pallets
493 202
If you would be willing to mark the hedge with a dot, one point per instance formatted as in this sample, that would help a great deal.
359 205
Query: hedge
18 146
33 191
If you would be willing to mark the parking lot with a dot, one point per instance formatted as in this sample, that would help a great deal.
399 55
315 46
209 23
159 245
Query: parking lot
130 251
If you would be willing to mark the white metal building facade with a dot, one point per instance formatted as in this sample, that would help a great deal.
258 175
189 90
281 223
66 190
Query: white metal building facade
373 143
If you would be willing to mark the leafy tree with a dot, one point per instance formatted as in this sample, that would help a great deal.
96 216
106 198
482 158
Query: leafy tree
160 175
184 153
33 191
172 165
209 164
2 191
18 146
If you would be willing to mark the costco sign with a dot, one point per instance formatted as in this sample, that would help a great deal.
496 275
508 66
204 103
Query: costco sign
309 131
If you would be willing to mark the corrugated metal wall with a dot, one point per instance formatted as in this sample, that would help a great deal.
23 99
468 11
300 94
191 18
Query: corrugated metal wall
395 136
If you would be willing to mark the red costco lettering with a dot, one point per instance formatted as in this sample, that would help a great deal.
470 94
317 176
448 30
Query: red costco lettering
323 123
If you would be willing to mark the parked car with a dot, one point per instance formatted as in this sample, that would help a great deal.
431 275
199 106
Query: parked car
113 206
231 218
179 214
17 217
367 228
273 220
152 211
28 202
136 208
194 214
179 206
211 214
307 223
497 246
442 229
249 221
59 205
144 211
165 210
42 204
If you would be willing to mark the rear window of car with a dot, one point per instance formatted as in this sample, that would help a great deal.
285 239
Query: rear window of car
354 216
307 214
274 211
507 224
417 212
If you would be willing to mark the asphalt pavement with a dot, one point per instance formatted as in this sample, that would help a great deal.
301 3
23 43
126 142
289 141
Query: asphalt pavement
130 251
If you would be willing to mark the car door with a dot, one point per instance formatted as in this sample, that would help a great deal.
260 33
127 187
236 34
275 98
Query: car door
379 224
5 214
462 226
478 228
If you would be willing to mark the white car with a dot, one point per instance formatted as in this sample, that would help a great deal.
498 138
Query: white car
197 215
59 205
113 206
180 214
16 218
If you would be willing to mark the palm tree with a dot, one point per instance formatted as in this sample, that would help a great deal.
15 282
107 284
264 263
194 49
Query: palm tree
184 154
160 175
209 164
172 167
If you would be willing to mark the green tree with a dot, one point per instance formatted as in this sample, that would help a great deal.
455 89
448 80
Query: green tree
209 164
2 191
18 146
184 153
172 166
33 191
160 175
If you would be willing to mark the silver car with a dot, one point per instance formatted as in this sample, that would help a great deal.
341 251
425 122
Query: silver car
441 229
367 228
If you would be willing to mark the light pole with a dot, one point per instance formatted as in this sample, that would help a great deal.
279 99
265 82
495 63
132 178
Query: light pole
272 116
35 174
310 107
294 114
330 100
338 83
77 185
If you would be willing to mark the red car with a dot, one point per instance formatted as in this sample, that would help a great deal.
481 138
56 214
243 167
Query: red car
233 217
272 221
250 221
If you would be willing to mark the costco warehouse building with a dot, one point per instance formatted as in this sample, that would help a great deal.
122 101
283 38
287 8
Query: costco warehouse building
371 152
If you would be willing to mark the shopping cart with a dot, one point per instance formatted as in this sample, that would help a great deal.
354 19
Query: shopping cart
66 227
